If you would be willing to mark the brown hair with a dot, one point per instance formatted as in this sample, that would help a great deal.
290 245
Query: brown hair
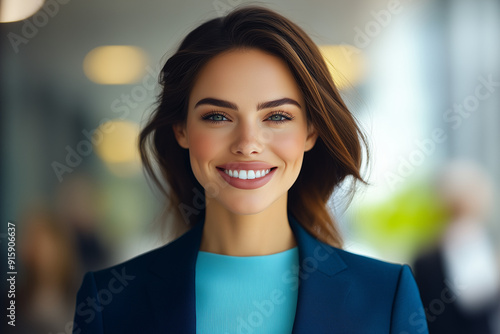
336 154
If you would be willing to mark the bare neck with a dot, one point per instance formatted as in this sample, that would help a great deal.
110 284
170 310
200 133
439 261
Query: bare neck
264 233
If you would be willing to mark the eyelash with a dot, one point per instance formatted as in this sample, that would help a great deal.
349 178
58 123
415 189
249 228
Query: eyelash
286 116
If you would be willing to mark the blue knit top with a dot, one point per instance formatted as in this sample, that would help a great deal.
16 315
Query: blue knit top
246 294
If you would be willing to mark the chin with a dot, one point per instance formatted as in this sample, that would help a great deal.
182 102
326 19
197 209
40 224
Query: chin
245 207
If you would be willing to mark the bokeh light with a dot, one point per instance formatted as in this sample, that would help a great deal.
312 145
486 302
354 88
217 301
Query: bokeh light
115 64
17 10
118 146
350 64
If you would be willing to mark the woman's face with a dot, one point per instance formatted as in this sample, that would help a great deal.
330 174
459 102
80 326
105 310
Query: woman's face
245 106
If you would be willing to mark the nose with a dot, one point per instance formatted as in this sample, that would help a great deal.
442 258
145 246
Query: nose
248 139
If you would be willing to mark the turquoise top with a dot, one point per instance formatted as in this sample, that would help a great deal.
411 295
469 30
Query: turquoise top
246 294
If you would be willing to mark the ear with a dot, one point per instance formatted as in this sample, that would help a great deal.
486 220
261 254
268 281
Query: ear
180 134
312 135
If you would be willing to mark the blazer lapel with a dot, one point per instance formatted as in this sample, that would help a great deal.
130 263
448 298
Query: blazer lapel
321 292
171 287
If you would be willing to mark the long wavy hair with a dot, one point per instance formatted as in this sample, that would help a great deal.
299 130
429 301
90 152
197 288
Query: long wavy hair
336 154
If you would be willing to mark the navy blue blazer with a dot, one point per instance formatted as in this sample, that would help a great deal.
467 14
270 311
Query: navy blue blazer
338 292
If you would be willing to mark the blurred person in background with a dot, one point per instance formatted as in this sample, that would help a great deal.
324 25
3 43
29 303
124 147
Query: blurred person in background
77 205
459 280
48 279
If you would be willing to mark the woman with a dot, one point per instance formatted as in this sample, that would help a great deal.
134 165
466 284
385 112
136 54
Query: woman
252 137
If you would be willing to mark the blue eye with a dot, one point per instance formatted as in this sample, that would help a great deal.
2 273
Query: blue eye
280 117
277 117
215 117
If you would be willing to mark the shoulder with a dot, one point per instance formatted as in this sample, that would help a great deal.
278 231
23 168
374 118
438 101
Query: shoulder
348 284
381 278
389 287
362 264
367 277
140 266
373 279
364 267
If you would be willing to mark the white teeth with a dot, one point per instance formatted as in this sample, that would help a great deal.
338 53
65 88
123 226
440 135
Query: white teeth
247 174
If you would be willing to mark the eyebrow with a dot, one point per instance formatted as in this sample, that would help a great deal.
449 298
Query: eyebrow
262 105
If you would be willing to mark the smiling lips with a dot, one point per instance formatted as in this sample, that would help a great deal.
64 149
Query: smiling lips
247 175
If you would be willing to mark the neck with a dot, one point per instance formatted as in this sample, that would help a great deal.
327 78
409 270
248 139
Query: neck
263 233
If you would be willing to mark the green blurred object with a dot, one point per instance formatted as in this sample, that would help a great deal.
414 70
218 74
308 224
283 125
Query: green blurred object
402 225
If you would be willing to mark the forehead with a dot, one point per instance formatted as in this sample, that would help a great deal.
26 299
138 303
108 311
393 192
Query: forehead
245 75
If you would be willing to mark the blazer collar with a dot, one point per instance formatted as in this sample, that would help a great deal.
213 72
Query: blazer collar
321 256
171 289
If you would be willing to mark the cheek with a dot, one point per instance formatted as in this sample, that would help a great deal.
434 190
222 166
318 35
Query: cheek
203 146
290 146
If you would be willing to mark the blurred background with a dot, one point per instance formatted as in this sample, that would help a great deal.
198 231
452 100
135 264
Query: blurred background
78 80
